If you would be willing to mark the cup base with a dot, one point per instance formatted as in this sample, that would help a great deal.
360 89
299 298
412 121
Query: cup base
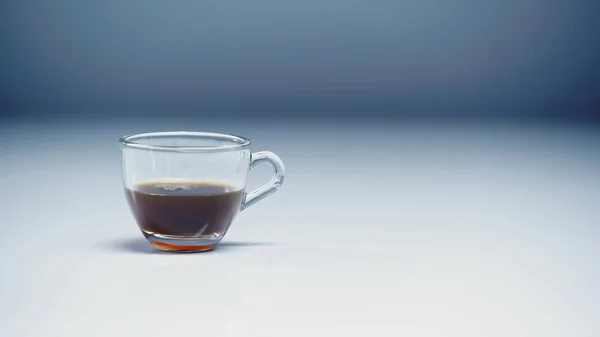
183 249
186 245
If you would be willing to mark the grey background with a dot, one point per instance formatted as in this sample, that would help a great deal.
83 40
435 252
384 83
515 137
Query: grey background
514 59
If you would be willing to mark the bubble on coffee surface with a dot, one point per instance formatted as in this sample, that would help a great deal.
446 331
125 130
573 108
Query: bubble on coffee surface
175 187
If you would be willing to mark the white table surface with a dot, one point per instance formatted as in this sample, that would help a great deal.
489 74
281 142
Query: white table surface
397 230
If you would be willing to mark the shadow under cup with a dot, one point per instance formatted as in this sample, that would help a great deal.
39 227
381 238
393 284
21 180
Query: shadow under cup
186 188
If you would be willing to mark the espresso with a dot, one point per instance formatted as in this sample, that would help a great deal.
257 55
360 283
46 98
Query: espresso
188 209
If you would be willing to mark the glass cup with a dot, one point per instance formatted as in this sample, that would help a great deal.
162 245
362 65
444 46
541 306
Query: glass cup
186 188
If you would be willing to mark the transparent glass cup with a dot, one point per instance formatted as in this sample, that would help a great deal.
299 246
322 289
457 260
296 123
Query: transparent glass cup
186 188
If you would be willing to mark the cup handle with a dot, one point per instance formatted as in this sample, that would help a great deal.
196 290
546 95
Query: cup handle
269 188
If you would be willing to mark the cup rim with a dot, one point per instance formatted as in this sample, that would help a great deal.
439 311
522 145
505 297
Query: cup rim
233 142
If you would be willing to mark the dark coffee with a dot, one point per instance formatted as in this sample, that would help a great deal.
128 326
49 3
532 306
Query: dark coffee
191 209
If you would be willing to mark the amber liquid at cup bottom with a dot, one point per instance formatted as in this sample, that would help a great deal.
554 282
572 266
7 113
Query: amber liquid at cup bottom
184 216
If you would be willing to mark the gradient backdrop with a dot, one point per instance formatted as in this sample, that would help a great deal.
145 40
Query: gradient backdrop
300 59
443 166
